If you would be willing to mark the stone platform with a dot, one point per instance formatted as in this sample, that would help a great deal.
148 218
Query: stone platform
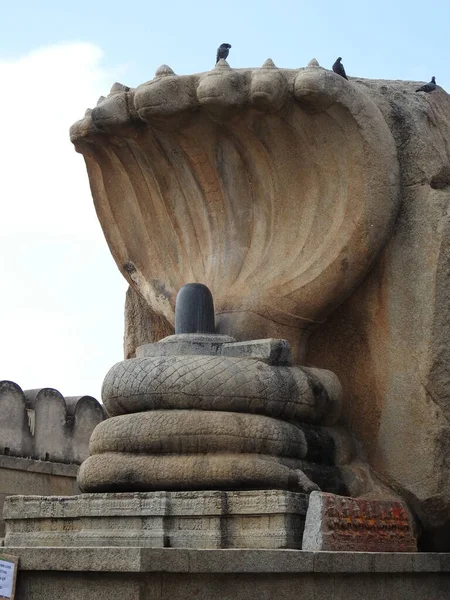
207 519
163 574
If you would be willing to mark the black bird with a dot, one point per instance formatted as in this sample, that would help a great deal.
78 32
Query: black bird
222 51
338 68
428 87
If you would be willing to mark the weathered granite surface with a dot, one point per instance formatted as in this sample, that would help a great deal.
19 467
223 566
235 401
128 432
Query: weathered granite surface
192 431
211 383
389 343
357 524
269 351
259 519
43 438
244 151
173 574
27 476
44 425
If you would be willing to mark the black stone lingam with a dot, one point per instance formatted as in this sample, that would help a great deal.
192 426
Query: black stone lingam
194 310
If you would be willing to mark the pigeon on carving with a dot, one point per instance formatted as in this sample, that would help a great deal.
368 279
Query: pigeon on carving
222 51
428 87
338 68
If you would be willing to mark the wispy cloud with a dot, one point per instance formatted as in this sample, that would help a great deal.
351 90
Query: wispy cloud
61 297
43 181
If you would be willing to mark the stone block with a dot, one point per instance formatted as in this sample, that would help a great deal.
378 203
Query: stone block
358 525
253 519
269 351
186 344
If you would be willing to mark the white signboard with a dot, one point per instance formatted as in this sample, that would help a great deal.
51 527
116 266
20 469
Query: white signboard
8 575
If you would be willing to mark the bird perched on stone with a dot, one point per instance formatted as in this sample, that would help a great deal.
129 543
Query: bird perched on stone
338 68
428 87
222 51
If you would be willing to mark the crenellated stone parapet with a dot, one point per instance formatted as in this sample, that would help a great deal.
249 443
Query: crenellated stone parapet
42 424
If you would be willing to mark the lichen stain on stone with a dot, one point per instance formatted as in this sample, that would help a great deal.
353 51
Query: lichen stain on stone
161 288
129 268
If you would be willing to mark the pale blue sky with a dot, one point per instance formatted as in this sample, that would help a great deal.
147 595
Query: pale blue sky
395 39
61 295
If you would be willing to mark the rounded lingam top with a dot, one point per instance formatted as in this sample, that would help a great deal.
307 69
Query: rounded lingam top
194 309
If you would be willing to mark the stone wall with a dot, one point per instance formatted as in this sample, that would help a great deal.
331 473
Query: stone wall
25 476
43 425
145 573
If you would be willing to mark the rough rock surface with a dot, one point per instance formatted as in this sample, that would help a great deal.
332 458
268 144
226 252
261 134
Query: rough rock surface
390 342
335 523
142 324
270 351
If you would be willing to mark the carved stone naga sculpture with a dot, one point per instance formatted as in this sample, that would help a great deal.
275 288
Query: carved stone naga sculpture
277 189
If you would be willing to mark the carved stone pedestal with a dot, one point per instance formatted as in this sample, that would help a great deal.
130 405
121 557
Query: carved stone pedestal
268 519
